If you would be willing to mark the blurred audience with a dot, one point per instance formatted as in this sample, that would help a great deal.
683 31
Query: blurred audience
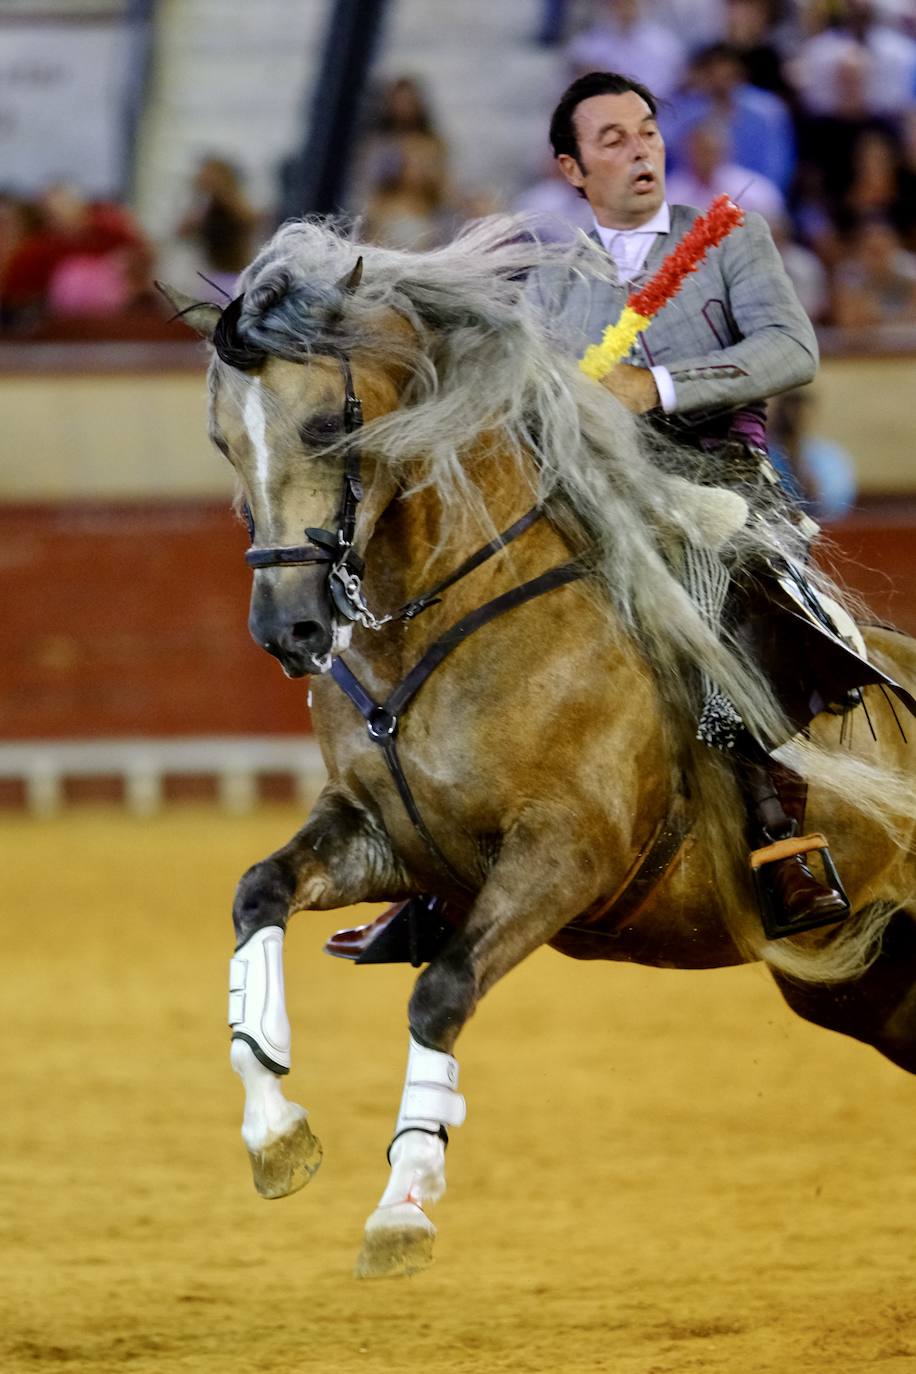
68 248
806 271
803 110
623 38
706 172
220 224
406 196
861 53
759 124
875 281
820 472
558 209
751 28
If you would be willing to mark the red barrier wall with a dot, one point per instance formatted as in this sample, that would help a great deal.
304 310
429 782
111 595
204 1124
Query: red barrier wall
131 620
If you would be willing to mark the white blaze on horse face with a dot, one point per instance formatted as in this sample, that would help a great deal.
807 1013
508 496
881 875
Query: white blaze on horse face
256 428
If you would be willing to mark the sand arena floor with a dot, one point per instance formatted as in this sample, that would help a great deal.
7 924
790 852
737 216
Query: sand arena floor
659 1172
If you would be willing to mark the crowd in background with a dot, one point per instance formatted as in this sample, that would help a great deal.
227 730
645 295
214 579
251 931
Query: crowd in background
804 110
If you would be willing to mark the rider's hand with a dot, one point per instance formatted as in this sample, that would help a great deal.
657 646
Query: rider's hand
634 387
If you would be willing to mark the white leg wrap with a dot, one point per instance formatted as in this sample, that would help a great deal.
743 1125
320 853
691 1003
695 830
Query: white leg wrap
431 1098
257 1005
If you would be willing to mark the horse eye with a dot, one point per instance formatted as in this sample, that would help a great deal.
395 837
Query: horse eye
320 429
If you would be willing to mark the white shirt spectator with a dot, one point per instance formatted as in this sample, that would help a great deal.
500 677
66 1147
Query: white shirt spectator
748 189
640 48
557 207
888 71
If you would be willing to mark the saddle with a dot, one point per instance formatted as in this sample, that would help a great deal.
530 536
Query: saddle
786 630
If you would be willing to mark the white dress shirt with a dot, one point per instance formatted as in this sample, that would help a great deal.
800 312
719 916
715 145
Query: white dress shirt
629 249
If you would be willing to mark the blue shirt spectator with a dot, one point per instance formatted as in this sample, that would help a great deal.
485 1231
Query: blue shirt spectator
758 123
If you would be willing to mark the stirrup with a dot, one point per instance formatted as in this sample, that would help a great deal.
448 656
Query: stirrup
775 924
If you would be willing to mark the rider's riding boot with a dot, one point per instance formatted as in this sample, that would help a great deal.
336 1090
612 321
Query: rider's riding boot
355 940
792 898
410 932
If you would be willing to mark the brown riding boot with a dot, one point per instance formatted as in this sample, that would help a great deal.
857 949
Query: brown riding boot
792 899
410 932
353 941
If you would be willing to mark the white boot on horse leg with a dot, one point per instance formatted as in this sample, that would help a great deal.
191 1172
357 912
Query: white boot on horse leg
399 1236
283 1151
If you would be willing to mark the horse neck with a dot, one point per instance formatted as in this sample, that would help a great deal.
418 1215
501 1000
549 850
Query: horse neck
420 539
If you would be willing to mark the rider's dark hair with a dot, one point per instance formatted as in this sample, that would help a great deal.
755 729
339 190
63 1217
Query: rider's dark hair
563 137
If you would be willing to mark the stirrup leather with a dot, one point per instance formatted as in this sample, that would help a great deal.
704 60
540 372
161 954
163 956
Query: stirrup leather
775 925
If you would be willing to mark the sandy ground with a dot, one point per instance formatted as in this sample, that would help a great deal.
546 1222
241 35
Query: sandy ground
659 1172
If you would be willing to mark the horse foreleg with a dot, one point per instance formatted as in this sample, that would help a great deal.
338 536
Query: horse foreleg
525 901
341 856
399 1235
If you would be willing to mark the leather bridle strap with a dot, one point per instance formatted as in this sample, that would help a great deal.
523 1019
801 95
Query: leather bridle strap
328 546
383 718
431 596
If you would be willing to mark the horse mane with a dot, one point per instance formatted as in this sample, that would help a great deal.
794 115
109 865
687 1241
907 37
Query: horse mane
482 360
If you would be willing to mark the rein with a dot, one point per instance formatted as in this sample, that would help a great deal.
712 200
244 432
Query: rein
346 568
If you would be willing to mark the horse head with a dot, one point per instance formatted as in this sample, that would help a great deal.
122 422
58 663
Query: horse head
311 495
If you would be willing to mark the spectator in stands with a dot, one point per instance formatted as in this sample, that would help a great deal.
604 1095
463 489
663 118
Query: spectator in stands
558 209
405 190
707 172
103 285
875 281
695 22
883 57
828 142
221 223
805 269
749 28
624 39
69 227
879 184
819 472
758 122
18 220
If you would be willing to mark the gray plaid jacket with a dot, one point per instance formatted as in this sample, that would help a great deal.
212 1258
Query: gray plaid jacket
734 334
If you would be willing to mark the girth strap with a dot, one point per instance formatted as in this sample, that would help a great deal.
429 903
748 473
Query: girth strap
382 718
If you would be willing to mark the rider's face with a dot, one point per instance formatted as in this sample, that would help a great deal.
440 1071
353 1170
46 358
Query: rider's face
621 165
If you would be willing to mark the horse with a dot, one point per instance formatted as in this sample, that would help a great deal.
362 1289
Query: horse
491 573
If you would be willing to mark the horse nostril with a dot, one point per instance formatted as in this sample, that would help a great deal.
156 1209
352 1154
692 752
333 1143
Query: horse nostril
308 632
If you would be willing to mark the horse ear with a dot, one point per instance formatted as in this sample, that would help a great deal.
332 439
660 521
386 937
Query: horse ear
202 316
351 280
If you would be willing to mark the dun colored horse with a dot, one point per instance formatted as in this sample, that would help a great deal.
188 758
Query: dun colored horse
530 760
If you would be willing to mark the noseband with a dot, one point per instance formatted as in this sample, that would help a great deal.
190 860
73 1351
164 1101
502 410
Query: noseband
334 547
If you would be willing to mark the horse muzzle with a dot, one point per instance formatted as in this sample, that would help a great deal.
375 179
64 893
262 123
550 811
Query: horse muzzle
301 638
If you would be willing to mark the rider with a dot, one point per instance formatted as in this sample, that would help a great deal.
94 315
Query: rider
703 371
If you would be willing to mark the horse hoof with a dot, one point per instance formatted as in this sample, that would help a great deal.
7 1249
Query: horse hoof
287 1164
398 1242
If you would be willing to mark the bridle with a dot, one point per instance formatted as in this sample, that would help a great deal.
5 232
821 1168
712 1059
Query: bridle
334 547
